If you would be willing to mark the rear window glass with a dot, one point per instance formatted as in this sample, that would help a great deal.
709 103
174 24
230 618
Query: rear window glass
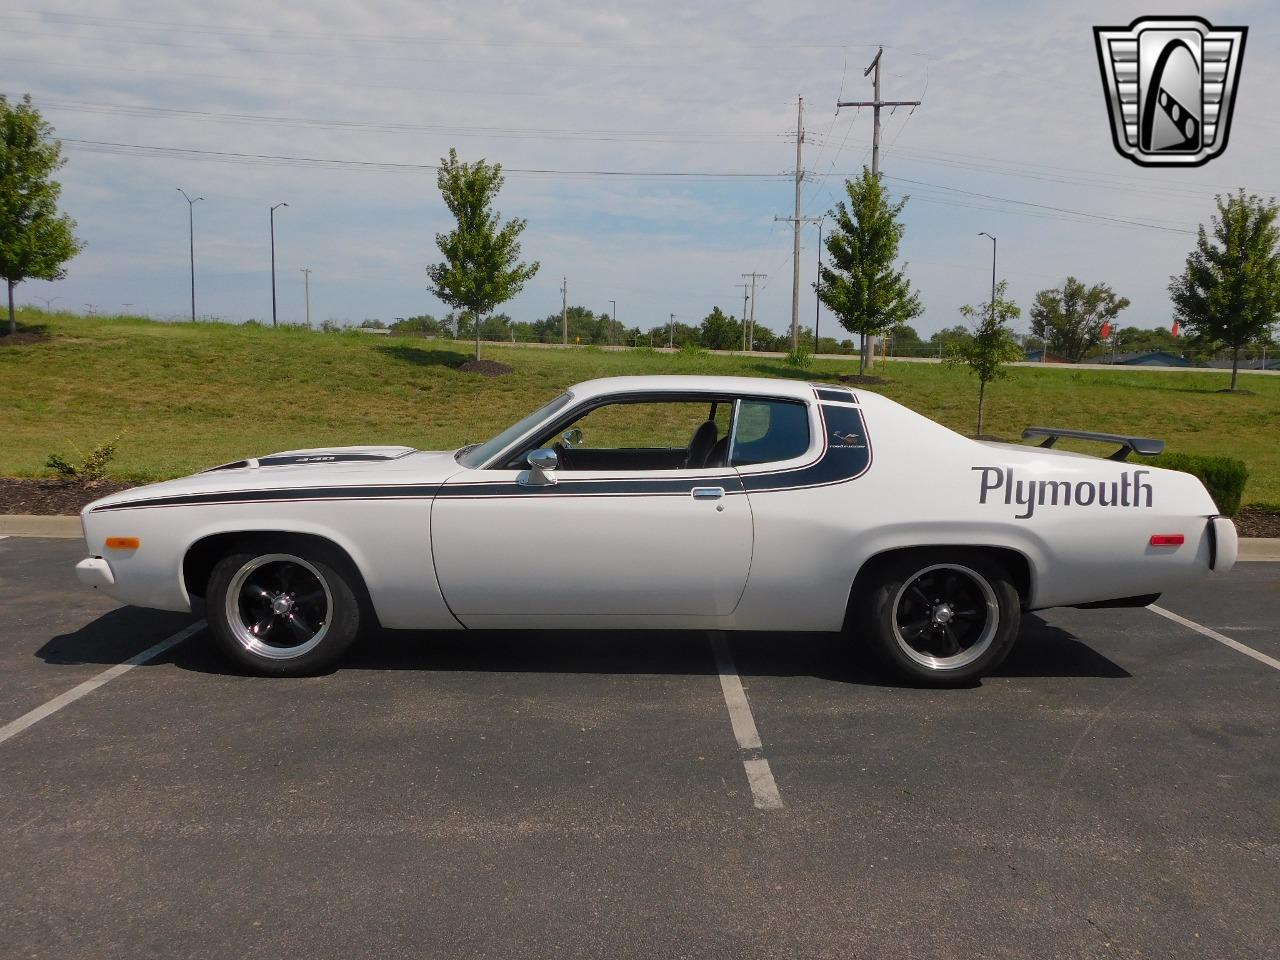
770 430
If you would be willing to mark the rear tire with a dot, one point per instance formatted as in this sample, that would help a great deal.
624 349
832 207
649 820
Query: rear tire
282 609
941 618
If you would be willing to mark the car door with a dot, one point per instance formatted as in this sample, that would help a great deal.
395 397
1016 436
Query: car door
620 534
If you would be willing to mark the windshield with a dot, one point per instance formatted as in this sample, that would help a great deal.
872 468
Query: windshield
480 454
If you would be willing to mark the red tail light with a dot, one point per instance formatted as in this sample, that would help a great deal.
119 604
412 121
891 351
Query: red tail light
1167 539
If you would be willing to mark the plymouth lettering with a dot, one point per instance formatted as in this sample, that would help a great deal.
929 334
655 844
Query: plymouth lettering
1129 491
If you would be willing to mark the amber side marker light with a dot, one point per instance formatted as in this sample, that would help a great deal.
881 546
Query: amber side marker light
123 543
1167 539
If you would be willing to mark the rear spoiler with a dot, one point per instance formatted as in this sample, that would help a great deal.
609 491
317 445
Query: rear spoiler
1143 446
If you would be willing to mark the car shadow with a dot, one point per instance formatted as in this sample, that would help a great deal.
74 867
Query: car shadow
1042 651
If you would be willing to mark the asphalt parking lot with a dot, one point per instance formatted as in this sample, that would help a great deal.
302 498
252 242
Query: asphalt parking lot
1113 792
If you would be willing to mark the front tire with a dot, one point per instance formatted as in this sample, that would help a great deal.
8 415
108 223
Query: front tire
941 618
282 609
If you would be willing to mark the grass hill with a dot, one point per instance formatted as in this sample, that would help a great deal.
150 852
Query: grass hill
187 396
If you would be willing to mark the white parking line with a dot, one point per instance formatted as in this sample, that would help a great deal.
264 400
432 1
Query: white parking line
764 790
106 676
1215 635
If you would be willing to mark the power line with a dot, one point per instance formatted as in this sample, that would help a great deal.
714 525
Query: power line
130 149
134 149
519 133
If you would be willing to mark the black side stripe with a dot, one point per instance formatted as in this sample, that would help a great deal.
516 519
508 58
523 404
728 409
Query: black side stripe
845 456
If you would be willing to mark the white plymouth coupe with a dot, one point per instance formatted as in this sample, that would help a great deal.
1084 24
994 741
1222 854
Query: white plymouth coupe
666 503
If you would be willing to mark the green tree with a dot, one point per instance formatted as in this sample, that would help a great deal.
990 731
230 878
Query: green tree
1070 317
35 241
1229 291
905 341
481 267
425 325
859 283
719 331
991 345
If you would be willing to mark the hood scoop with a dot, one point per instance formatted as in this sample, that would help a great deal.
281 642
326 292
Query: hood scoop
298 458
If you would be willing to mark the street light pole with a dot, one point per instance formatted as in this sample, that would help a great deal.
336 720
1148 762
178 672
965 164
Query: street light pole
273 261
817 302
671 332
48 303
993 271
614 304
306 286
191 245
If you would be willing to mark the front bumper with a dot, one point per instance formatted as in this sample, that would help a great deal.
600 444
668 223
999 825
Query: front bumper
95 572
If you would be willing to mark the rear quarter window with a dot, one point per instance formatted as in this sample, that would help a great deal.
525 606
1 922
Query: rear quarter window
768 431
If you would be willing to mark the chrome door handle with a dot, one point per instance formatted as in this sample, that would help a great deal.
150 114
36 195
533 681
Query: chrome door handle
707 493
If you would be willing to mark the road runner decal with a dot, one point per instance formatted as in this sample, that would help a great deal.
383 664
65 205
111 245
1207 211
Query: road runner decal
1001 484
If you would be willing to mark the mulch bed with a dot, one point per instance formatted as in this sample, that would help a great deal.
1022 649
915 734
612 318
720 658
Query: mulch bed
1252 522
49 498
22 337
486 368
863 379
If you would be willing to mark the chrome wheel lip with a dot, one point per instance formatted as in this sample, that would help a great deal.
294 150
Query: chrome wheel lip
975 650
242 631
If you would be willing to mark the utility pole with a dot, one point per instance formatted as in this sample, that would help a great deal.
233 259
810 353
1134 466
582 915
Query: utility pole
795 220
671 332
746 287
306 281
751 325
564 310
273 261
191 245
614 304
876 104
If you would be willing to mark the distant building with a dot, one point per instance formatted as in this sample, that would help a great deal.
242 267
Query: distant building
1040 356
1149 358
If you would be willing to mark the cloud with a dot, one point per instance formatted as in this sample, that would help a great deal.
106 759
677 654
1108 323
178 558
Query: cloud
1013 108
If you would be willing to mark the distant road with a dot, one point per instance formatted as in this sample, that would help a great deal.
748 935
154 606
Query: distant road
854 357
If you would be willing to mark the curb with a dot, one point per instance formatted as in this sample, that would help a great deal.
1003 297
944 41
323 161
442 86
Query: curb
28 525
1259 548
68 528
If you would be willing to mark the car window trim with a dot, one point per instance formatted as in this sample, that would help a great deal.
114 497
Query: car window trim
503 459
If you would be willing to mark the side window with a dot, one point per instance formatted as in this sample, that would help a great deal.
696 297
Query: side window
770 430
630 426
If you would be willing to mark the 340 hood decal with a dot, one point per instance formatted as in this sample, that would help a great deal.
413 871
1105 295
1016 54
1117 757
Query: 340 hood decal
1000 482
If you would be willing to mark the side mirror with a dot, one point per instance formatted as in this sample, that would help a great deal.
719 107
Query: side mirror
542 466
572 437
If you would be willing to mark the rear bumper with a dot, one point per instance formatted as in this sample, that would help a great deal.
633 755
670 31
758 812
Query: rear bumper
1224 544
95 572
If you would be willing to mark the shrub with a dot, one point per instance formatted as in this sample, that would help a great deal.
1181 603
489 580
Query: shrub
92 466
1223 477
802 359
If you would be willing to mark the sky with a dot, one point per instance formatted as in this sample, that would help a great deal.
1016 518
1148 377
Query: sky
668 128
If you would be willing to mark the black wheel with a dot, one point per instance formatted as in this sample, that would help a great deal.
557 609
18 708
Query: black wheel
941 618
281 609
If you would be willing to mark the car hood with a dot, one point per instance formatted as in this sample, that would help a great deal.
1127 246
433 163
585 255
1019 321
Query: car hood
302 469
